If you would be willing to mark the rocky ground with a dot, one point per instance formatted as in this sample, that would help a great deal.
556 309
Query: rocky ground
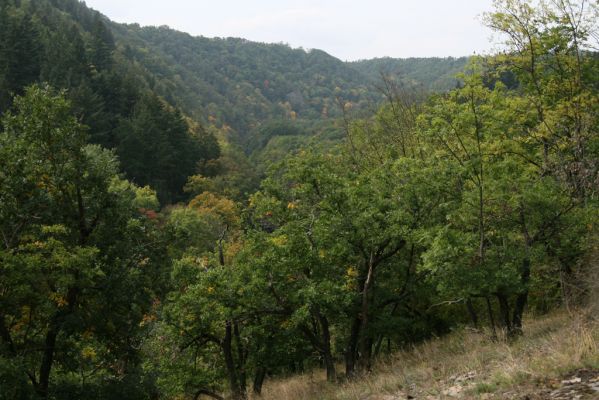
582 384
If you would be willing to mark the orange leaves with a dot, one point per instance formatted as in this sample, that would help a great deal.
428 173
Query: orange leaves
150 214
147 319
209 203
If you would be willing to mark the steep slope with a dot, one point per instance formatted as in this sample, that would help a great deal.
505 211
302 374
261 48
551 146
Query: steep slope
557 359
64 44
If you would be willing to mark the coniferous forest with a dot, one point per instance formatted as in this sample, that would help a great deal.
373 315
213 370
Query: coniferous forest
184 217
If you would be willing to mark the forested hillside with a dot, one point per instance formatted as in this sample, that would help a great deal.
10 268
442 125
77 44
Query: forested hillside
231 89
428 74
188 217
241 84
157 145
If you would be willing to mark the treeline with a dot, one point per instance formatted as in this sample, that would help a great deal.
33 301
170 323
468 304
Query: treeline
468 207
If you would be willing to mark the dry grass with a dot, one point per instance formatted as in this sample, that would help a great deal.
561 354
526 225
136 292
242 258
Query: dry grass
552 345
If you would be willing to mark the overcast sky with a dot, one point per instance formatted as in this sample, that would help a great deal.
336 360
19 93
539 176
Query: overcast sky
347 29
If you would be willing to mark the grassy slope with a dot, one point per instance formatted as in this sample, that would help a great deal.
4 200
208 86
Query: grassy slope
467 364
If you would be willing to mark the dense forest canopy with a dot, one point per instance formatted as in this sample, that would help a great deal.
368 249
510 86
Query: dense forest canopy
184 217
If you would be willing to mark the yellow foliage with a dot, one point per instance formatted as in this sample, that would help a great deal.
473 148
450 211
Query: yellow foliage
88 334
233 248
213 204
205 261
351 272
88 352
44 182
350 278
58 299
278 241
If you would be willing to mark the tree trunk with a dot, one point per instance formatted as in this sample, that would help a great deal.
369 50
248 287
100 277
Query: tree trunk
326 348
364 343
259 380
227 346
50 343
378 345
47 360
522 298
472 312
241 358
491 318
351 352
504 310
237 381
5 335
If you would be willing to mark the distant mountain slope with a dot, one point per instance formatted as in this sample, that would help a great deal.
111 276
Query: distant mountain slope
239 84
242 83
434 74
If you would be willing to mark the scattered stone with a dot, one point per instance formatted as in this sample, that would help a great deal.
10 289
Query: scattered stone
465 378
582 385
382 397
453 391
572 381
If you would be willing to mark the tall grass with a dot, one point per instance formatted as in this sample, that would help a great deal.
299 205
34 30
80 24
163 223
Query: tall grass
466 361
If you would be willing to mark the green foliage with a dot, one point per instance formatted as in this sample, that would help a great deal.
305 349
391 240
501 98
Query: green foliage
20 54
156 148
481 200
74 256
433 74
77 52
